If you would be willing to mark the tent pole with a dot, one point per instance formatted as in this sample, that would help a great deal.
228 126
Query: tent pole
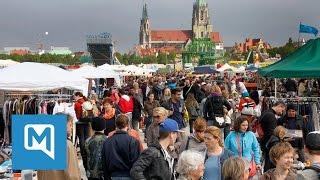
275 88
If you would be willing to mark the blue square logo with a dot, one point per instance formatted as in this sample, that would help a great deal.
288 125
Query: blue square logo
39 142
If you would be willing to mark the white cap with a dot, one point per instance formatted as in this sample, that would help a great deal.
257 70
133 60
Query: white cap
87 106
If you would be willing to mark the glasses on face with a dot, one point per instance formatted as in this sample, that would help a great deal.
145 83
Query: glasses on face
157 117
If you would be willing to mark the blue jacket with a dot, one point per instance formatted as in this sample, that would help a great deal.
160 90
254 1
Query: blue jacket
248 142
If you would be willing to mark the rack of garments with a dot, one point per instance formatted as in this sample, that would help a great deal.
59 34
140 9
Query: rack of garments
308 107
29 103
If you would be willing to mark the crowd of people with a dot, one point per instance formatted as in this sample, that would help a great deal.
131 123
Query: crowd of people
189 128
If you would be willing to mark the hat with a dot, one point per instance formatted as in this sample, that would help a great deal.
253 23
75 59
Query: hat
313 140
87 106
291 106
98 124
245 94
249 111
169 125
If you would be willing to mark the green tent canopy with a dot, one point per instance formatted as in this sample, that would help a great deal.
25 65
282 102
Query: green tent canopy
303 63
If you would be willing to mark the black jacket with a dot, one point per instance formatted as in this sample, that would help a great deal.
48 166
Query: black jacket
151 165
119 152
213 107
268 124
137 108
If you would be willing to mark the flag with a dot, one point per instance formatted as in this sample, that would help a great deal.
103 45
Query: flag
308 29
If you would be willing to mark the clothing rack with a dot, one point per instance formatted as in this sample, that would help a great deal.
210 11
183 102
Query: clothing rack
40 96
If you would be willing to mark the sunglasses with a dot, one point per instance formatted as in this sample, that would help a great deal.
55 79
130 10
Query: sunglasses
156 117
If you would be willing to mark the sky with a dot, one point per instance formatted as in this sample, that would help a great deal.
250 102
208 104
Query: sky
23 23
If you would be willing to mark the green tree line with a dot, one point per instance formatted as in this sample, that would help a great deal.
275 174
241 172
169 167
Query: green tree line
285 50
44 58
162 58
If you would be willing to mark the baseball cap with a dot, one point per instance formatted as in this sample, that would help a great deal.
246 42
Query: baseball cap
313 140
245 94
169 125
87 106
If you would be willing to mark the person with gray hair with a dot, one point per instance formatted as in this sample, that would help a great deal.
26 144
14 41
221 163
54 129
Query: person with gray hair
190 165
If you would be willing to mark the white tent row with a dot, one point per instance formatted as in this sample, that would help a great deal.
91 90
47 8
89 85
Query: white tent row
91 72
30 76
130 70
7 62
227 67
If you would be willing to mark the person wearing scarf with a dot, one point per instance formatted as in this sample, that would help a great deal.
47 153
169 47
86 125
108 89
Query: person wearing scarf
109 115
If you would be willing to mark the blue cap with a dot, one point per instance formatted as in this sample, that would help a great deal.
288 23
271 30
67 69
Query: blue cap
245 94
169 125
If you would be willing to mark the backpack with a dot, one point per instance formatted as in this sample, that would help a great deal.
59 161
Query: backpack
257 128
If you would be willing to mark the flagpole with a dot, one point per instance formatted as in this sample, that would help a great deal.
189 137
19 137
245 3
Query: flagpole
299 35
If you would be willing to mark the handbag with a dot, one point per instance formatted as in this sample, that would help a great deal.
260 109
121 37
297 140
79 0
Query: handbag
253 166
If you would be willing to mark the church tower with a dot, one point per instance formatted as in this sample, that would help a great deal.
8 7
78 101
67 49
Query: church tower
201 26
145 32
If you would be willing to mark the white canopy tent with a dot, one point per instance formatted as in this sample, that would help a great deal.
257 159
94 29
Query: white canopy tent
7 62
226 67
39 77
91 72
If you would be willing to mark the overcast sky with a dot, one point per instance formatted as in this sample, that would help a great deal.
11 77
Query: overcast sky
24 22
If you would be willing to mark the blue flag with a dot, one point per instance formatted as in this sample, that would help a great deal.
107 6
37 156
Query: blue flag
308 29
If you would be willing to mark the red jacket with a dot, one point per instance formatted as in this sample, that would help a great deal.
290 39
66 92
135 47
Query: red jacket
125 104
78 108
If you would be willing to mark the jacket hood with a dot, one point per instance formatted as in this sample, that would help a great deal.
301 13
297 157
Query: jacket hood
125 97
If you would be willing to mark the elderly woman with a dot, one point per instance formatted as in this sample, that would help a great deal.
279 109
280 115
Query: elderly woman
235 168
190 165
216 154
243 143
282 156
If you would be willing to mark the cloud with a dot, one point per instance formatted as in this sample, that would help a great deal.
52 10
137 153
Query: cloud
23 23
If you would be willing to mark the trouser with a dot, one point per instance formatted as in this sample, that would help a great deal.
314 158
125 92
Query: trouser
82 132
129 115
191 121
121 178
226 130
135 124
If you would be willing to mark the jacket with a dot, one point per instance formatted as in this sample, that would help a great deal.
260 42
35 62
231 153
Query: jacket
270 175
152 134
78 108
177 109
148 107
93 147
195 144
151 165
72 172
213 107
125 104
249 145
136 111
118 155
268 123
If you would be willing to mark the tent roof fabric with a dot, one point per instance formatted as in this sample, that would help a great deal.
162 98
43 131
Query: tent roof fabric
93 72
303 63
39 77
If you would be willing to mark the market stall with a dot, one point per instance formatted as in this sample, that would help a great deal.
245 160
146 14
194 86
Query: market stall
30 76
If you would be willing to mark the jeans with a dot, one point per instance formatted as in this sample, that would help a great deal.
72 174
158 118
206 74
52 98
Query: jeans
82 131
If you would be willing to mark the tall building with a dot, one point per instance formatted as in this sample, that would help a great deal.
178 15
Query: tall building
154 41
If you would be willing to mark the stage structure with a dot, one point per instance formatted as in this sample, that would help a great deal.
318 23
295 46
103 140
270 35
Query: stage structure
101 48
